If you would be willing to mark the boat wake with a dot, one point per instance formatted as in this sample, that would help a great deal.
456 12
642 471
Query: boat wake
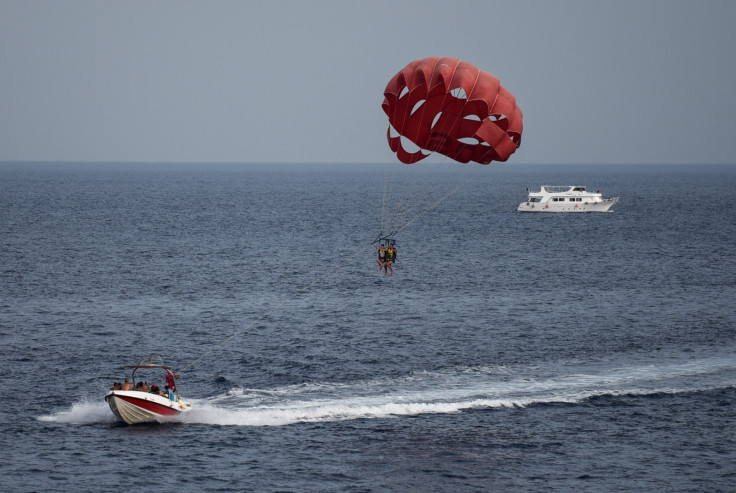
444 392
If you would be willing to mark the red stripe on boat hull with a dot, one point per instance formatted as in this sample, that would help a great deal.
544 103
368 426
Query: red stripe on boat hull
149 406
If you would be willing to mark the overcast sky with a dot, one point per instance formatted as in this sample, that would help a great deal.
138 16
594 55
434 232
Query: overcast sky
641 81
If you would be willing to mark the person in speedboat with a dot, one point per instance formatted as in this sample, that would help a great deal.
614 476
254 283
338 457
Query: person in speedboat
170 393
170 380
142 387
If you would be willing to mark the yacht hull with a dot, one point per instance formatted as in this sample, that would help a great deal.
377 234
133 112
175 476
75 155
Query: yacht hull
532 207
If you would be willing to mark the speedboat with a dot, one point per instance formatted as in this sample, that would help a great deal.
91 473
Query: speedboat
144 404
566 199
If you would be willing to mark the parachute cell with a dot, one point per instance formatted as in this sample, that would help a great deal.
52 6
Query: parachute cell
451 107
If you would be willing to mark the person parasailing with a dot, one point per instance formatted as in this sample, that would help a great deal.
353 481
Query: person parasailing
381 258
390 259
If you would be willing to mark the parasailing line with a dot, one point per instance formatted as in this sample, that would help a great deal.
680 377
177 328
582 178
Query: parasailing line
277 307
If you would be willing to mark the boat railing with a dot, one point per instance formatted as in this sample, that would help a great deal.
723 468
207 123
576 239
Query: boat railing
556 188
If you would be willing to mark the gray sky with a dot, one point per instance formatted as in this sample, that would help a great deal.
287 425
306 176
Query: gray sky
641 81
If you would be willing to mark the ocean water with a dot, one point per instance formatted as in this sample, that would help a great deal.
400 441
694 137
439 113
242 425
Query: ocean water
510 352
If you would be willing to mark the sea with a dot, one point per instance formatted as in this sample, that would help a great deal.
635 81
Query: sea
508 352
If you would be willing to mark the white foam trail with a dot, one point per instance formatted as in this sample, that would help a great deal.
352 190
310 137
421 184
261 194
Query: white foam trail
204 413
82 413
454 391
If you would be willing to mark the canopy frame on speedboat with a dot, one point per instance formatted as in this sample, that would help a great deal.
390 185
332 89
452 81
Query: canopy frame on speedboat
152 362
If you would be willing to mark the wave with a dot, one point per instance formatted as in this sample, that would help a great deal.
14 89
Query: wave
443 392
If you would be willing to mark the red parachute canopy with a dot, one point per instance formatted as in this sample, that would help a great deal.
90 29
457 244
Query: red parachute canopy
449 106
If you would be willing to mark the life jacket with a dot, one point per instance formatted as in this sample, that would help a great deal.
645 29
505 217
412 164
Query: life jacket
390 253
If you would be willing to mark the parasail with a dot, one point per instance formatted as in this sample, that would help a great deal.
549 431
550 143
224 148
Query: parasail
450 107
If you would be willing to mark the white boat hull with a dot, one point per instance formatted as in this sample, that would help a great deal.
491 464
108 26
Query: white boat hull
577 207
133 407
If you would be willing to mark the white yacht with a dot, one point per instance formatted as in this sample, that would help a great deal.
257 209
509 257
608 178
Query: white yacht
566 199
